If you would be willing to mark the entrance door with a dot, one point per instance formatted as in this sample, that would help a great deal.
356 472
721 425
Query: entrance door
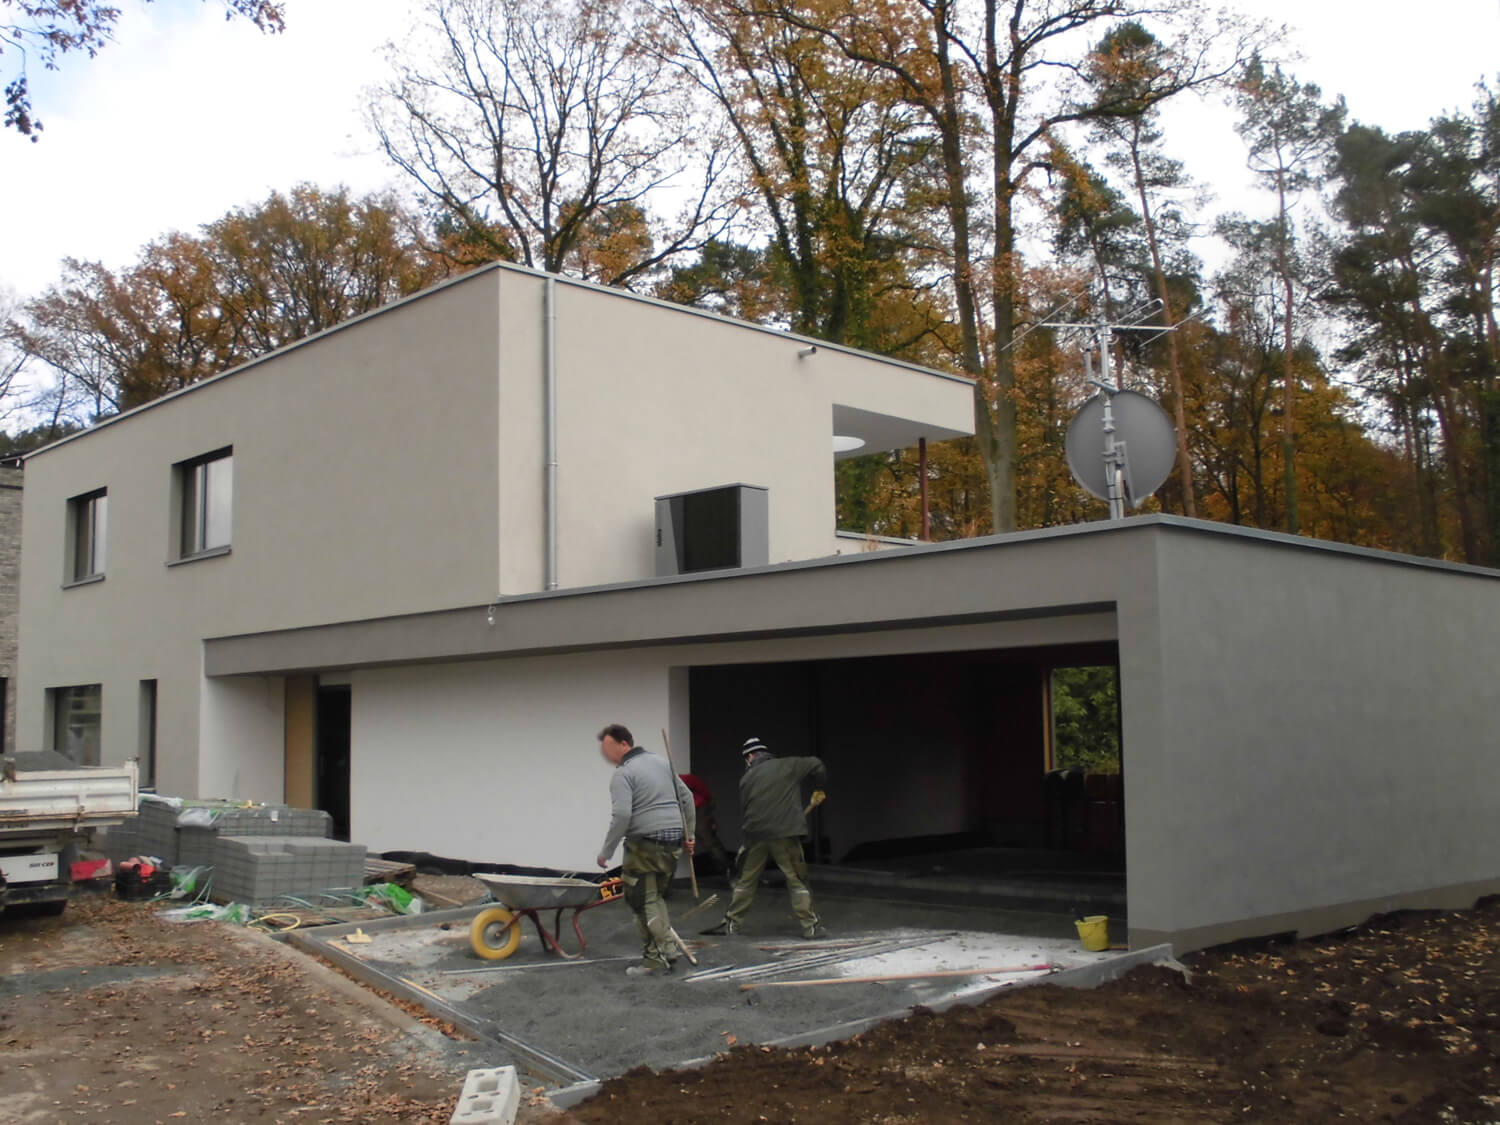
332 765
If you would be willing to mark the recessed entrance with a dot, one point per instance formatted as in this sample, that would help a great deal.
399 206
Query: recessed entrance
332 755
998 763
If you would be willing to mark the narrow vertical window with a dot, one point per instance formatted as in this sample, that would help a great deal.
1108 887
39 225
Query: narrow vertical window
87 525
207 511
146 742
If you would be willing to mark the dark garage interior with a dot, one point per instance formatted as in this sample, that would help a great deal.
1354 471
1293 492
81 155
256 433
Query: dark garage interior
998 764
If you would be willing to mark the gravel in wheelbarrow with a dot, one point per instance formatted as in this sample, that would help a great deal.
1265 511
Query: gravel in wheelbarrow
536 892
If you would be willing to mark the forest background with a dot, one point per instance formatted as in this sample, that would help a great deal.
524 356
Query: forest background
939 180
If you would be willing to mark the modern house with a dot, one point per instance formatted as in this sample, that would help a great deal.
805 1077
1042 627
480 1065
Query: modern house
404 571
10 598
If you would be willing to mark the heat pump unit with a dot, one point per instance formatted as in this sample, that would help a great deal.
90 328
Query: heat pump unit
712 529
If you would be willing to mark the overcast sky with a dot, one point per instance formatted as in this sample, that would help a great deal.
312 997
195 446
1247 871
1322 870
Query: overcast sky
186 115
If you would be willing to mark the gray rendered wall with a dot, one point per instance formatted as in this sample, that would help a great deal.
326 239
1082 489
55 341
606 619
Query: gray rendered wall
365 483
10 583
1324 743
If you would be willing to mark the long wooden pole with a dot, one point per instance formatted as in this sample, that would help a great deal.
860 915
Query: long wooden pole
896 976
692 871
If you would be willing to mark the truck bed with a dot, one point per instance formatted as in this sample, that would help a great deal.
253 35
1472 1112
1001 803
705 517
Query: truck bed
34 801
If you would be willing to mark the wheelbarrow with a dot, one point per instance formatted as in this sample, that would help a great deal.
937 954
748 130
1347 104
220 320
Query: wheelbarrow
496 931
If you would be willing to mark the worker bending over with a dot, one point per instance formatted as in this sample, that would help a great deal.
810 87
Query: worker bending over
772 825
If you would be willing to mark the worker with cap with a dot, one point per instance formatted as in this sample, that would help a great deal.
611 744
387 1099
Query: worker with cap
652 811
772 825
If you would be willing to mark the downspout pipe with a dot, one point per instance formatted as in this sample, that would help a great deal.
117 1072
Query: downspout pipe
549 425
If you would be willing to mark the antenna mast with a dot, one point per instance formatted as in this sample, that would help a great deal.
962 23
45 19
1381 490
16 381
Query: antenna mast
1115 449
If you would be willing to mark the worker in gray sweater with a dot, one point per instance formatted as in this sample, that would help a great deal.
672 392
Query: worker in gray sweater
772 824
652 811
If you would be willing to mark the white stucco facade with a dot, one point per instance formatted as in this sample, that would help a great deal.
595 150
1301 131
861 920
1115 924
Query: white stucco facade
397 465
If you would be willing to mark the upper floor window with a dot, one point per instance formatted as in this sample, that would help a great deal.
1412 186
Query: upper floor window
207 503
87 518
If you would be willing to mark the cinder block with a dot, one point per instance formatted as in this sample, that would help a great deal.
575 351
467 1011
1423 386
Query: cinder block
490 1097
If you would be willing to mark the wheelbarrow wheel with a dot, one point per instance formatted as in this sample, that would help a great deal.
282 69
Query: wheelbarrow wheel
495 933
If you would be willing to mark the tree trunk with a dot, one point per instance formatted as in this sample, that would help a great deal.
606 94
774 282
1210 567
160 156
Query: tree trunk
986 429
1289 378
1179 410
1000 463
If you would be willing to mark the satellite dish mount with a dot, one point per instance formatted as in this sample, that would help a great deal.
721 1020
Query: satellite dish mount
1139 444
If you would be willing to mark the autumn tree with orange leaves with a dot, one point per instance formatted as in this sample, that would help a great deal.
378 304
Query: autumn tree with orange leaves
193 305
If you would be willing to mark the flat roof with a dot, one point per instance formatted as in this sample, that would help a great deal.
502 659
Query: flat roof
492 267
1050 572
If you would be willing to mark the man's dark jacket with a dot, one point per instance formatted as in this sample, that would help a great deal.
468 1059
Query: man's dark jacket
771 796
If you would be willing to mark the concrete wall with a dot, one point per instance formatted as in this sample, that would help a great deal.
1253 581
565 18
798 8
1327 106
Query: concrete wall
1320 745
395 465
364 483
652 401
10 584
241 733
497 760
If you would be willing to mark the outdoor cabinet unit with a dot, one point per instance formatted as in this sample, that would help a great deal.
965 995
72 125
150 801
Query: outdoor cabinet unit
712 529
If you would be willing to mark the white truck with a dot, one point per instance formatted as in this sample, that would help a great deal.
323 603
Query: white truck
49 809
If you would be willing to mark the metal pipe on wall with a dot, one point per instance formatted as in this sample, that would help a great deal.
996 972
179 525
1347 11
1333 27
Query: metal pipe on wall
549 372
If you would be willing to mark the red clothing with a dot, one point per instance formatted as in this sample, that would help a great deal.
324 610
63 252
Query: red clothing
702 794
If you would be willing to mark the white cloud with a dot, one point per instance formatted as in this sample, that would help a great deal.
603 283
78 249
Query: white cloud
188 115
185 116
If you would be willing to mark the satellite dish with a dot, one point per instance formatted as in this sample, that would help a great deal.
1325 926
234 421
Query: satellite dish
1127 429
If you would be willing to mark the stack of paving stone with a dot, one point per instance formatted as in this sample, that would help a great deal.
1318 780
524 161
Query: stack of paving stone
155 831
152 831
257 869
196 843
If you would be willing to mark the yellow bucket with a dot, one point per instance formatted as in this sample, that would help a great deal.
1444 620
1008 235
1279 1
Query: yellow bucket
1093 931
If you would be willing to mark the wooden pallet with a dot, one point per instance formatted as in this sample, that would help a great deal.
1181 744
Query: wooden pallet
387 871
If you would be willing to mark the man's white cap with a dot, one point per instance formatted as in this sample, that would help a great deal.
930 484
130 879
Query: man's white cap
752 746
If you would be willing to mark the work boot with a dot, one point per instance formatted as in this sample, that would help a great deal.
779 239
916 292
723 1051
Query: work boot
815 932
724 927
649 969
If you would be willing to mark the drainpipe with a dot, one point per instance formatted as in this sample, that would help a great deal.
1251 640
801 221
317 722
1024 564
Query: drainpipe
549 374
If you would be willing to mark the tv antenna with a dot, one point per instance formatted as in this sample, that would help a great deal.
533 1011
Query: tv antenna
1138 445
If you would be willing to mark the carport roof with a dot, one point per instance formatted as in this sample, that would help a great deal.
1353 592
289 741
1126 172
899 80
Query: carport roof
1053 572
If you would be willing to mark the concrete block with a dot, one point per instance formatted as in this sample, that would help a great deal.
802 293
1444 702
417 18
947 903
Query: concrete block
490 1097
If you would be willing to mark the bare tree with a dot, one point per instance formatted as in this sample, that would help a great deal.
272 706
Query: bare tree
546 132
12 360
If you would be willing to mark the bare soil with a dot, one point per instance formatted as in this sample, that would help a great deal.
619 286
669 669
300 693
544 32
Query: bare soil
1397 1020
109 1014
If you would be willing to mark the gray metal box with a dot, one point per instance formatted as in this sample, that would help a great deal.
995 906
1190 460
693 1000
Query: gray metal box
713 529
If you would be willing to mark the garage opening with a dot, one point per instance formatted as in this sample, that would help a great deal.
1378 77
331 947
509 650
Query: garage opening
1002 764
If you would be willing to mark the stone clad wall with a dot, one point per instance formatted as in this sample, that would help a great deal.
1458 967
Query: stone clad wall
10 584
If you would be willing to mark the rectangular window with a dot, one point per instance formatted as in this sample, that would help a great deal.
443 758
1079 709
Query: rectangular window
4 712
207 490
87 524
76 722
146 741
